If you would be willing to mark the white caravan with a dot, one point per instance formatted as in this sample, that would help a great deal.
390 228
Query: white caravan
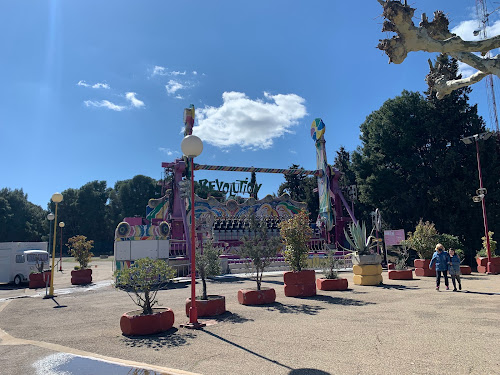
19 259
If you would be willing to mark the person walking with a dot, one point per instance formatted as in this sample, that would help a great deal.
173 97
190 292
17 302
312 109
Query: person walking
454 268
442 259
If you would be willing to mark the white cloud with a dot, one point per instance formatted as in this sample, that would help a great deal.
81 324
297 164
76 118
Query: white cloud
100 86
465 30
168 151
179 97
105 104
159 71
94 86
134 102
195 72
465 70
173 86
249 123
174 73
83 83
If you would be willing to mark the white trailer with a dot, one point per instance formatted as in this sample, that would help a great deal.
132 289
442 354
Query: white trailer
19 259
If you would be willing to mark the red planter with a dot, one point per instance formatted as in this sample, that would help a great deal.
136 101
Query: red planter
81 277
422 268
332 284
134 324
256 297
400 274
465 270
214 305
391 266
300 284
426 272
482 261
39 280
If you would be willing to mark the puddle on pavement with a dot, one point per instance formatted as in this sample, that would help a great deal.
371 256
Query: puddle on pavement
69 364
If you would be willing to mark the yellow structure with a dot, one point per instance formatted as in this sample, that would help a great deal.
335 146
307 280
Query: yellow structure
367 274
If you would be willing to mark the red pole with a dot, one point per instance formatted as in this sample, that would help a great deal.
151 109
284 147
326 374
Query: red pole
60 256
193 311
485 219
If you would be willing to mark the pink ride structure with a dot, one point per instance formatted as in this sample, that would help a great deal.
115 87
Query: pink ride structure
164 232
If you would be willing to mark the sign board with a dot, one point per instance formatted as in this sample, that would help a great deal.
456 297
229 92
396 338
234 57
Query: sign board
394 237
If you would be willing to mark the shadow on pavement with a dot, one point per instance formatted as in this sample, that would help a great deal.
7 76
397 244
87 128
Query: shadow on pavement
396 286
168 339
483 293
341 301
294 309
247 350
308 371
13 287
231 318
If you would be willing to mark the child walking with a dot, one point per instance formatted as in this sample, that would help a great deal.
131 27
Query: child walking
441 258
455 270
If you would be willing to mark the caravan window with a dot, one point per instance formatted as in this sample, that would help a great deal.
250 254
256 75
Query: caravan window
37 257
20 258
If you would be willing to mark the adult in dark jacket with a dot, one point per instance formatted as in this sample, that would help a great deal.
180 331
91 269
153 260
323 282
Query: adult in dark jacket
442 259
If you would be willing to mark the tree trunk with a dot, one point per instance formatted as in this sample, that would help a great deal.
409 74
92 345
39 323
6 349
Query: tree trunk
147 304
204 283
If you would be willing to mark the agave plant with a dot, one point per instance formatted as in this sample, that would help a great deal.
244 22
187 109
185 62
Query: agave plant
356 236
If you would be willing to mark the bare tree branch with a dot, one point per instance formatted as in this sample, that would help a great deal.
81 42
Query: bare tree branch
435 37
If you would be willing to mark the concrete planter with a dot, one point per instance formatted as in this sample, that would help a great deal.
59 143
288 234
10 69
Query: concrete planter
213 306
134 324
332 284
39 280
256 297
482 265
81 277
400 274
366 259
300 284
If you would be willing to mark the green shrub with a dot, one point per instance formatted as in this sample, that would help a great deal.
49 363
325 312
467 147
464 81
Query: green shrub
80 248
142 280
207 264
258 246
424 239
493 246
296 233
358 240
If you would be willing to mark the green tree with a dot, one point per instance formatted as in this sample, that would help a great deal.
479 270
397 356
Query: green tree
412 163
130 197
301 187
20 220
79 248
296 233
259 246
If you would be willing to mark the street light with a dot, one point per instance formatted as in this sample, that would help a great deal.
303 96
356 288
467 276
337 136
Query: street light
61 225
481 192
56 198
192 146
50 217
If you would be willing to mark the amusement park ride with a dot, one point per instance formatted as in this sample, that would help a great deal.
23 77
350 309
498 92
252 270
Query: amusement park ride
164 232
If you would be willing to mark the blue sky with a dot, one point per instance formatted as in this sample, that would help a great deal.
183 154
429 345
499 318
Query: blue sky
95 90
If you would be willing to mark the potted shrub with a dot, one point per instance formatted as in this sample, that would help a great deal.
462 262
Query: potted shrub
295 233
482 256
39 278
330 280
367 267
259 247
207 265
141 281
423 240
79 248
401 271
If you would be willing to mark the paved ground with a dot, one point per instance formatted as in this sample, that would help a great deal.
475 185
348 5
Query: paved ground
402 326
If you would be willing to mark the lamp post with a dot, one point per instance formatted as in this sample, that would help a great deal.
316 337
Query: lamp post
50 217
481 192
61 225
192 146
56 198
